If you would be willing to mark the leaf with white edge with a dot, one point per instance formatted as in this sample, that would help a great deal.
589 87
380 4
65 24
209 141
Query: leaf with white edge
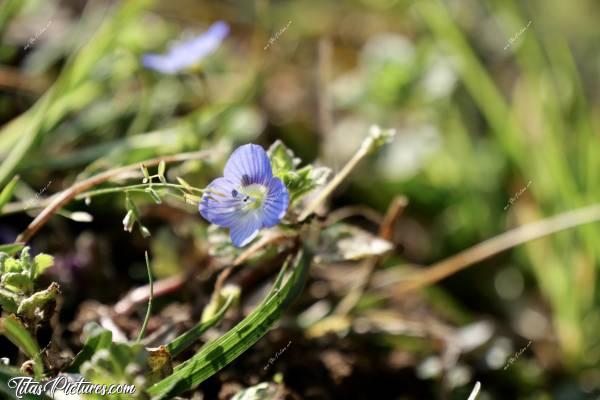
17 282
343 242
299 182
217 354
305 180
282 158
262 391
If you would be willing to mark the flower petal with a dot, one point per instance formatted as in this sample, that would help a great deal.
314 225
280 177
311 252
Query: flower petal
276 203
245 228
160 63
249 164
219 205
187 53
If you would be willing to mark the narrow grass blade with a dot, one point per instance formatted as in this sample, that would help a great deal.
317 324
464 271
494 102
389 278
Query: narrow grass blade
11 248
7 192
149 310
186 339
97 338
217 354
20 337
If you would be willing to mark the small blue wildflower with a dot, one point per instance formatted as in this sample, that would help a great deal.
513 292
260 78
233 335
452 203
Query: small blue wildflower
247 198
185 54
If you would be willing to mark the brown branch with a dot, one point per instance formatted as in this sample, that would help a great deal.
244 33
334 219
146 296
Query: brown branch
141 294
270 237
12 78
497 244
386 230
64 197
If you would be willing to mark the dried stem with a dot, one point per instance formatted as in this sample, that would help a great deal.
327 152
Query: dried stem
69 194
337 179
475 391
142 294
502 242
386 230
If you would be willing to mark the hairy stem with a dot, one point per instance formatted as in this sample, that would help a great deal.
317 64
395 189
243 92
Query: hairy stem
69 194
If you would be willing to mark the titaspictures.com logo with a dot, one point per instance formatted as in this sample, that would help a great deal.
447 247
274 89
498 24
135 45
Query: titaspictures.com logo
25 385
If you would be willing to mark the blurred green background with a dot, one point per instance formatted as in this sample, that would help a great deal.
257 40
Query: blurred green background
496 104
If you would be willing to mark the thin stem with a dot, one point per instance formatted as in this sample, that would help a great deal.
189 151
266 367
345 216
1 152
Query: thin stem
334 183
149 310
162 287
495 245
16 207
133 188
69 194
475 391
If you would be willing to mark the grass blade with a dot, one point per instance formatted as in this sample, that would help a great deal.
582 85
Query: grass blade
149 310
97 338
20 337
184 340
217 354
7 192
11 248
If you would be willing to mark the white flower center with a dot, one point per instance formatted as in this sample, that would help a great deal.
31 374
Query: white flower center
253 195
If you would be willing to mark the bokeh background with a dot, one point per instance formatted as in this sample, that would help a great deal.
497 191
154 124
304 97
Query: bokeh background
496 107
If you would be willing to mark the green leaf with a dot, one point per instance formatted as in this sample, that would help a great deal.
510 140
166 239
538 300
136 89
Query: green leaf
184 340
299 182
186 185
37 301
11 248
12 265
8 390
282 158
20 281
305 180
344 242
7 192
217 354
97 338
9 300
41 262
20 337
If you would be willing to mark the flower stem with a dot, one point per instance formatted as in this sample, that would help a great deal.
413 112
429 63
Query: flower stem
64 197
149 310
133 188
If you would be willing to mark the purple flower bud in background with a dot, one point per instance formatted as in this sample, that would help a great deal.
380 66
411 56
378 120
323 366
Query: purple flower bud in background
247 198
184 54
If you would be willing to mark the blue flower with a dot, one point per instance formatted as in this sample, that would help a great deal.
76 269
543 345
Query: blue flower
185 54
247 198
